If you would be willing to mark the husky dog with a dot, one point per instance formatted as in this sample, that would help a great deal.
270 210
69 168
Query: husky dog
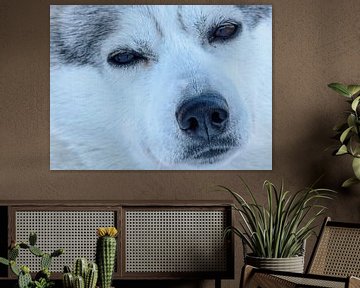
161 87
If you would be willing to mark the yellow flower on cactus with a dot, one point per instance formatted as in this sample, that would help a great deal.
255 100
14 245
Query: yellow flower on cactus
107 231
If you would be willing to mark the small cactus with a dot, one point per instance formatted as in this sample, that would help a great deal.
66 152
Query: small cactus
13 253
68 280
14 268
67 269
57 252
32 238
79 282
44 273
24 278
45 261
91 276
106 254
36 251
81 267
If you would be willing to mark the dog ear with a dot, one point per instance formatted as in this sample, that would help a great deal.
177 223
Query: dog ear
76 31
255 13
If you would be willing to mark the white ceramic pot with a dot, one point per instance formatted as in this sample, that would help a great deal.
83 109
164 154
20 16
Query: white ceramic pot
291 264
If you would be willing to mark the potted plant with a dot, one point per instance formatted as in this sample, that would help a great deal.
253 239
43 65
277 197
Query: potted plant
42 278
106 254
84 274
87 274
348 132
276 233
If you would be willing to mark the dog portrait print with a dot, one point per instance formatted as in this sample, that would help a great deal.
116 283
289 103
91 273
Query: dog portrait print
169 87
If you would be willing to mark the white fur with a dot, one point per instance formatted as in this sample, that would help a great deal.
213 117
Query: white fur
111 118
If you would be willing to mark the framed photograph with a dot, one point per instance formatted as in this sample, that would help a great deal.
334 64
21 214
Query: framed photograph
161 87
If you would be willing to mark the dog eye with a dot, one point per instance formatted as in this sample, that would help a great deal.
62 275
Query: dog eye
224 32
124 58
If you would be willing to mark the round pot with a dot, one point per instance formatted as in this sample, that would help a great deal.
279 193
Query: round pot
291 264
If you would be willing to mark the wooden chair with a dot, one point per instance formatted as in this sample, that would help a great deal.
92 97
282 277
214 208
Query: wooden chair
334 263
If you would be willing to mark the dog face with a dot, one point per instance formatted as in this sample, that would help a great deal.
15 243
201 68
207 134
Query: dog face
180 81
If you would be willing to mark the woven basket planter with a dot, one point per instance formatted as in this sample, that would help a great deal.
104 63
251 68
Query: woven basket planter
291 264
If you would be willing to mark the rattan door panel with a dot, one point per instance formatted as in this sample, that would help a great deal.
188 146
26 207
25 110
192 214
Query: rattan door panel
72 230
165 242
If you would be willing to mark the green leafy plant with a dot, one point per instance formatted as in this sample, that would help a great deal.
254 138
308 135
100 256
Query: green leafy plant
279 229
43 283
348 132
42 278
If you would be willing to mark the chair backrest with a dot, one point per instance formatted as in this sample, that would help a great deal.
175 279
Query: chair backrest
337 251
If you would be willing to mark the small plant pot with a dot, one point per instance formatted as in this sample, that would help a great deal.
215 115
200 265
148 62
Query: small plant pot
291 264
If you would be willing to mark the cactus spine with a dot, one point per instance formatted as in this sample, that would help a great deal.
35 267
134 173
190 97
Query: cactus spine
106 254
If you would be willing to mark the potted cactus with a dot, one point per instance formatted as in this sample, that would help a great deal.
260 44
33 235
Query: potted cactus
106 254
42 278
84 275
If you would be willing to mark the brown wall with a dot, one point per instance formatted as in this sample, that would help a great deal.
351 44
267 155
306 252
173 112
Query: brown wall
315 42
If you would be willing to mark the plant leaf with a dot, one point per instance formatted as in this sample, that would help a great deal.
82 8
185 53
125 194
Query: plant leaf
356 167
4 261
14 268
340 88
342 150
355 103
279 228
351 119
349 182
353 89
345 134
354 144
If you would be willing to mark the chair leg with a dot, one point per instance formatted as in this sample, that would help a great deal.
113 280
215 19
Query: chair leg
217 283
246 276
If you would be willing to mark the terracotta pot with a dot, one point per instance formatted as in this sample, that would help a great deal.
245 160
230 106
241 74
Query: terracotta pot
291 264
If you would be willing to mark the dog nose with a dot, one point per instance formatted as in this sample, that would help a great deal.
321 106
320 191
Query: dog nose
204 116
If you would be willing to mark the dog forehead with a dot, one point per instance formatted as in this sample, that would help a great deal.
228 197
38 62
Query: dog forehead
150 21
78 31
